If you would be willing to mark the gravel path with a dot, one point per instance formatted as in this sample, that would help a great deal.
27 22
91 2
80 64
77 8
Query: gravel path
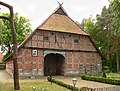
84 83
4 77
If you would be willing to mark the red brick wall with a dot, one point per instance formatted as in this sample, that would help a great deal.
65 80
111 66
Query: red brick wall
1 57
29 65
59 40
87 60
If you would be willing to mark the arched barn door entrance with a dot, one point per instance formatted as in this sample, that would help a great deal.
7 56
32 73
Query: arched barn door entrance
54 64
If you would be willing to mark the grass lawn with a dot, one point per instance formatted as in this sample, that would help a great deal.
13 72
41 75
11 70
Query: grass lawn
114 75
27 86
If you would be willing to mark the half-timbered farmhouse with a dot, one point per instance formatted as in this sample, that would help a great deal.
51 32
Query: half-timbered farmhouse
57 47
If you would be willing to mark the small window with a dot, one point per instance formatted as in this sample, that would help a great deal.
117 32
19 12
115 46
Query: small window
76 41
46 38
34 53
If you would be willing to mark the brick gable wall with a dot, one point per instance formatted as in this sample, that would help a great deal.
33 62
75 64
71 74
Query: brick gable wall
61 41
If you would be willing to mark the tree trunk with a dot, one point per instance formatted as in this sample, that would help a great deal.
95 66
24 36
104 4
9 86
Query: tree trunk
16 73
117 60
14 37
110 59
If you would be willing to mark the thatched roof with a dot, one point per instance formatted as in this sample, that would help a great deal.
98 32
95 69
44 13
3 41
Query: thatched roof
60 21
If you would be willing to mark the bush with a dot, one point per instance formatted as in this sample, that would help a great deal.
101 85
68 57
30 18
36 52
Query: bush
101 79
104 75
50 79
83 88
106 69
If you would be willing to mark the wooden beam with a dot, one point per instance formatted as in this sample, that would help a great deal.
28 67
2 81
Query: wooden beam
6 5
61 49
60 4
3 17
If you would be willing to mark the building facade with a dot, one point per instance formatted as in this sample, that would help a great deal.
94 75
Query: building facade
57 47
1 57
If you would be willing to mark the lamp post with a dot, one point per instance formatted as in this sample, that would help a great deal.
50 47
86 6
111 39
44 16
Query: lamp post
74 83
33 88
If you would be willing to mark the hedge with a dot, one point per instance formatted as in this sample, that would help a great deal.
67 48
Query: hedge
52 80
101 79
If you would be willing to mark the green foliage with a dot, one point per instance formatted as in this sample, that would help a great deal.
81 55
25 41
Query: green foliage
104 75
105 32
1 24
101 79
83 88
114 75
66 85
49 78
22 27
115 23
106 69
89 25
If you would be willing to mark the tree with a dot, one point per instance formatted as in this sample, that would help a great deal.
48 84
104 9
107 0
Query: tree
22 27
14 37
106 32
104 24
89 25
115 11
1 31
82 23
97 31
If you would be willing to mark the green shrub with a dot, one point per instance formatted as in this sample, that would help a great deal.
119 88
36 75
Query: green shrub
50 79
83 88
106 69
104 75
101 79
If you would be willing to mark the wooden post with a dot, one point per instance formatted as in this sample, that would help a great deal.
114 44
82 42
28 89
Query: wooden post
14 37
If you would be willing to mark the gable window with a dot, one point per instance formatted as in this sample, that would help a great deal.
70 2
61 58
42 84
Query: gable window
46 38
76 41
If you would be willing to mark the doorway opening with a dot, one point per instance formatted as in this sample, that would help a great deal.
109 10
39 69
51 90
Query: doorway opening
54 64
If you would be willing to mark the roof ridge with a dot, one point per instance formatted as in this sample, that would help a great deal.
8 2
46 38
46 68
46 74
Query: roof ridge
51 15
58 8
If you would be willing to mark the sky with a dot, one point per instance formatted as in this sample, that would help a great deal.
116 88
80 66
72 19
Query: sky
38 10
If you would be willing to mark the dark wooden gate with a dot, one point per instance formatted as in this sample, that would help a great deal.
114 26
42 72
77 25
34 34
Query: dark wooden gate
54 64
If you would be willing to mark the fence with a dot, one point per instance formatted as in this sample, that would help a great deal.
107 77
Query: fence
116 88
